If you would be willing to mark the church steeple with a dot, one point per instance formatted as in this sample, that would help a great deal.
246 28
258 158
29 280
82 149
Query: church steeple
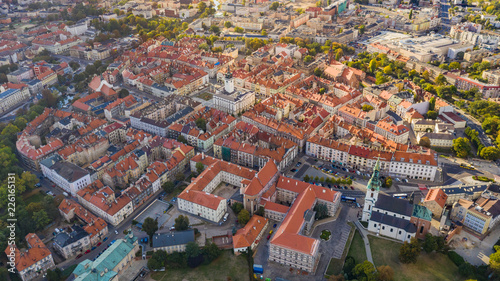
374 182
372 191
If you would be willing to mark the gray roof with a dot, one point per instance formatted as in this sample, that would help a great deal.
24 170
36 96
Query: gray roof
443 136
393 221
173 238
50 161
395 205
69 171
64 239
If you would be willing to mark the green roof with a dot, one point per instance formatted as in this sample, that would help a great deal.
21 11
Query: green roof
374 182
89 270
422 212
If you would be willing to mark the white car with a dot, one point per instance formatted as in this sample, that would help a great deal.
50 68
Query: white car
116 232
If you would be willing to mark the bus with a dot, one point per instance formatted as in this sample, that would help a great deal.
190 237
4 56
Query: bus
400 195
348 199
467 166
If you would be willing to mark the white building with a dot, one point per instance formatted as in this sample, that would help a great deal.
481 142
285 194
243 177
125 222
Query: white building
438 139
231 101
12 97
77 29
65 175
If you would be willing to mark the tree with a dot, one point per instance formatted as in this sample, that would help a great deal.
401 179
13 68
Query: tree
490 153
211 251
306 178
495 260
201 7
199 167
385 273
380 78
426 75
388 70
338 54
321 211
318 72
168 186
431 114
192 250
150 226
466 269
274 6
425 142
237 207
388 182
182 139
443 66
181 223
367 107
430 243
54 275
179 176
365 271
307 58
239 29
454 65
462 147
440 79
49 98
322 91
372 66
123 93
408 253
228 24
214 29
243 217
432 103
411 14
41 219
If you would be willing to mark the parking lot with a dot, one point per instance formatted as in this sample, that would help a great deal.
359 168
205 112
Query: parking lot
157 210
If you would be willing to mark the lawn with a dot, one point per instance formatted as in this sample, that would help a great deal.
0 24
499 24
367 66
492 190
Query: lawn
431 267
325 235
33 196
225 267
205 96
67 271
357 249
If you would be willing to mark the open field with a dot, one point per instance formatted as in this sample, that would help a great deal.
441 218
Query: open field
226 266
357 249
431 267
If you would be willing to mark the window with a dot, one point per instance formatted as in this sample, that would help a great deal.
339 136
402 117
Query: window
383 227
392 229
421 229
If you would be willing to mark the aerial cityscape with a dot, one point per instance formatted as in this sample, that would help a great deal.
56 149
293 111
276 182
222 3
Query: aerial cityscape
242 140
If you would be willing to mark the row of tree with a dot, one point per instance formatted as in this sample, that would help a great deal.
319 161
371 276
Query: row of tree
192 257
328 180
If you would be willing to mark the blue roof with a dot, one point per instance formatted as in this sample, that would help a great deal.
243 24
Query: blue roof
8 93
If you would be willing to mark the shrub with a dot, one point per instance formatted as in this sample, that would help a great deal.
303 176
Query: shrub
456 258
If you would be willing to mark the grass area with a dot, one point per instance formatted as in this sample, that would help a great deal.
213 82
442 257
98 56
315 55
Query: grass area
364 224
226 267
67 271
33 196
481 178
325 235
431 267
206 96
335 265
357 249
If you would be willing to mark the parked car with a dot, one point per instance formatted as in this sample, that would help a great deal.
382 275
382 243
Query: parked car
79 256
274 226
116 232
93 248
293 170
88 251
105 238
352 187
271 232
268 237
99 244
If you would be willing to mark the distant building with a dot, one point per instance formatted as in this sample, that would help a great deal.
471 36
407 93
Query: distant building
229 100
173 241
73 243
250 235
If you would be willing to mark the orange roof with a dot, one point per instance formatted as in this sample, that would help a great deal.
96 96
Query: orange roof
195 191
261 179
246 236
437 195
288 234
36 252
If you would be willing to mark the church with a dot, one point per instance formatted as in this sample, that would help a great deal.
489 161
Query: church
393 217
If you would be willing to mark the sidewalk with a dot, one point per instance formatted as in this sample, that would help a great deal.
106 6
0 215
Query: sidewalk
363 232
